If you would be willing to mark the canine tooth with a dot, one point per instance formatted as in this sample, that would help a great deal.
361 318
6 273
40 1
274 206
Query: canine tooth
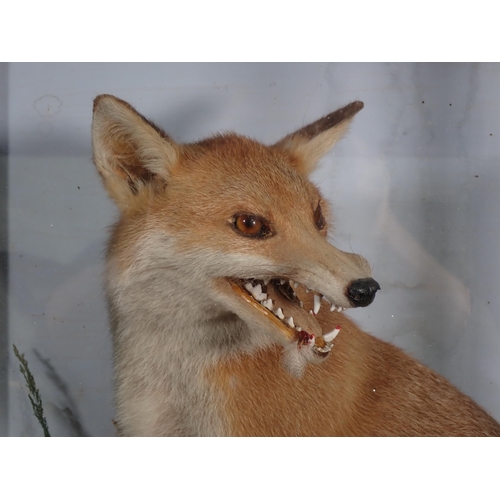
333 307
330 336
317 303
290 321
279 313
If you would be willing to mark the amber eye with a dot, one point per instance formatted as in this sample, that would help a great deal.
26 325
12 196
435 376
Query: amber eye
319 220
251 225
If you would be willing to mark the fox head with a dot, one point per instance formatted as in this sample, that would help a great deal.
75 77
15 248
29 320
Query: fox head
232 225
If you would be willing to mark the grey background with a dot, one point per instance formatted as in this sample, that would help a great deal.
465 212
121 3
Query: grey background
414 187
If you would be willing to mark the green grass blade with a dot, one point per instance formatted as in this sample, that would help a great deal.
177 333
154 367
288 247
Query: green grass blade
34 395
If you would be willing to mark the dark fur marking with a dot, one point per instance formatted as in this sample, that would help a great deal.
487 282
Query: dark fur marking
330 120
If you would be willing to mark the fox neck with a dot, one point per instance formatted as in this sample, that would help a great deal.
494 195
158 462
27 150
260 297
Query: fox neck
168 334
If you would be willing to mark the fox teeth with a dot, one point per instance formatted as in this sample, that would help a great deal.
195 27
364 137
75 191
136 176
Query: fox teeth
331 335
256 291
298 329
317 303
268 304
265 301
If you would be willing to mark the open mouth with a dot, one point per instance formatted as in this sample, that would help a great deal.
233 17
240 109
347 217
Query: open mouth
292 308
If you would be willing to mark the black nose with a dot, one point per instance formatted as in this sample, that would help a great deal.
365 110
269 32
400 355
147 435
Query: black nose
362 292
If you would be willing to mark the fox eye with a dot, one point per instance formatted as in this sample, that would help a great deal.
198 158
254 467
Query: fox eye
319 220
252 226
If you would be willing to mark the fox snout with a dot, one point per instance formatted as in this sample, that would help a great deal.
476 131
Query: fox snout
362 292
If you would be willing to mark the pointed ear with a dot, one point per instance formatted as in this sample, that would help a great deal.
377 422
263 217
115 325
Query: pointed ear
129 151
310 143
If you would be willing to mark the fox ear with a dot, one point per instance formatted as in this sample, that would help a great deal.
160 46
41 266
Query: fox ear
129 151
313 141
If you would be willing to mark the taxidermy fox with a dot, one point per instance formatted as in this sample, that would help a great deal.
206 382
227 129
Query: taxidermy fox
226 298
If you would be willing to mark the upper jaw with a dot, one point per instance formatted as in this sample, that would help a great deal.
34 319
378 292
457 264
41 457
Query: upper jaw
291 308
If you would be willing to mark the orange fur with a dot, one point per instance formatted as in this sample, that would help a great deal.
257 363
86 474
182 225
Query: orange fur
195 354
366 387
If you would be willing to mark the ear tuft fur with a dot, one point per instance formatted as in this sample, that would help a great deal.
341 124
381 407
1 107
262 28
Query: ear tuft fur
130 152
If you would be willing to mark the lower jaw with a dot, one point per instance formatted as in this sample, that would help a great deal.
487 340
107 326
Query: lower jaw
315 343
